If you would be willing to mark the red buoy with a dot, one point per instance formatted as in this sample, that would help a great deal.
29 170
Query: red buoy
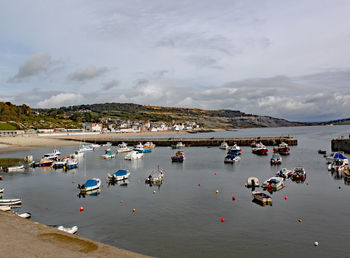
199 184
233 198
121 201
222 219
215 173
133 210
307 183
285 197
81 208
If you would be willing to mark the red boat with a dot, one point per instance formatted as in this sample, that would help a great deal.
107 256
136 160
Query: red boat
282 149
260 149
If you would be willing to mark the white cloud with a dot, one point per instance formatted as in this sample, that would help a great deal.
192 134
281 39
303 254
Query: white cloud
62 99
87 73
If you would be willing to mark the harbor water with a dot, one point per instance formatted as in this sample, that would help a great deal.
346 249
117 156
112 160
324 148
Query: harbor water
182 217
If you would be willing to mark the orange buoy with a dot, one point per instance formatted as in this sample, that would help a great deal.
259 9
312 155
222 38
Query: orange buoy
300 220
233 198
222 219
307 183
133 210
121 201
81 208
285 197
217 191
73 182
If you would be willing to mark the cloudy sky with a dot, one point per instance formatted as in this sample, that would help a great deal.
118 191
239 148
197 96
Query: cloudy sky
288 59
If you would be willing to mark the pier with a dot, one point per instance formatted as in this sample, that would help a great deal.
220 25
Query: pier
341 145
213 141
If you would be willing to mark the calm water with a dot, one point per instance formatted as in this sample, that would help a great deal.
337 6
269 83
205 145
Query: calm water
183 219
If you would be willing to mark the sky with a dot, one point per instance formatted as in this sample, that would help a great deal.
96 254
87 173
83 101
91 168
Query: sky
287 59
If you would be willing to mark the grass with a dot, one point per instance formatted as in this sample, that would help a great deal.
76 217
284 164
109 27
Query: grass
9 162
7 127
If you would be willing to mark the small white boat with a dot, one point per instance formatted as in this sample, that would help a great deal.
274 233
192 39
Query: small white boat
276 159
95 145
19 168
5 208
90 185
123 147
224 146
133 155
71 230
107 144
252 182
179 145
285 173
232 158
86 147
26 215
10 202
156 177
77 154
109 154
121 174
235 150
139 147
275 182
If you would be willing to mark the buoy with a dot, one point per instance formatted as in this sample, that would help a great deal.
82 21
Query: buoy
316 243
154 192
81 208
222 219
269 186
339 187
121 201
133 210
73 182
307 183
199 184
300 220
215 173
217 191
233 198
285 197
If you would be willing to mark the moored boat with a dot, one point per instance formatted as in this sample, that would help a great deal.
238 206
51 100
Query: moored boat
275 183
18 168
298 174
252 182
282 149
123 147
260 149
178 145
25 215
133 155
262 198
90 185
156 177
109 154
276 159
121 174
150 145
322 152
10 202
71 230
224 146
235 150
232 158
178 157
285 173
107 144
71 164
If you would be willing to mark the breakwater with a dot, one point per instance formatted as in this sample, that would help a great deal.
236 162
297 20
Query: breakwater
341 145
213 141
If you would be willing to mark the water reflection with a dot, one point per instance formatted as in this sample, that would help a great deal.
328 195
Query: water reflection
89 193
121 183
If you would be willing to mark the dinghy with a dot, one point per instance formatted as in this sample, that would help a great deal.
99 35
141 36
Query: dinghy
252 182
10 202
90 185
121 174
71 230
25 215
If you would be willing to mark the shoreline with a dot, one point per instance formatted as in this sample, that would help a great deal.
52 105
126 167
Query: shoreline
26 238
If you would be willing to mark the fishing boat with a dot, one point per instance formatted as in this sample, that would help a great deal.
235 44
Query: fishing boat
276 159
260 149
178 145
25 215
123 147
298 174
156 177
109 154
262 198
10 202
71 164
59 163
282 149
337 165
44 162
71 230
337 155
224 146
121 174
150 145
252 182
285 173
178 157
139 147
275 183
90 185
235 150
18 168
133 155
232 158
53 155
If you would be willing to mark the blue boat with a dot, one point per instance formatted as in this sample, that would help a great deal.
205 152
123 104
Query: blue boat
121 174
71 164
231 158
90 185
234 150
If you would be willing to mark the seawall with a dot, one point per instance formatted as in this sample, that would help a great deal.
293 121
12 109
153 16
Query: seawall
341 145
